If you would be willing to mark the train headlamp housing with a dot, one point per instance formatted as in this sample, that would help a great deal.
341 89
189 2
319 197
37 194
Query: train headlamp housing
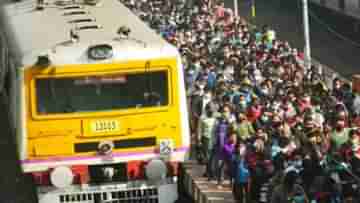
156 170
105 148
100 52
62 177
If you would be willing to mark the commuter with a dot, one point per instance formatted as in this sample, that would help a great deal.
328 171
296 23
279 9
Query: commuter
206 132
196 103
336 89
355 153
348 97
339 136
356 105
243 128
257 157
255 110
221 132
283 113
206 99
350 152
219 10
241 187
311 159
350 148
196 107
225 158
289 190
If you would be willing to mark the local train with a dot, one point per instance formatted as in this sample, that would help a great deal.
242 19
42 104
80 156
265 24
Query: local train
97 101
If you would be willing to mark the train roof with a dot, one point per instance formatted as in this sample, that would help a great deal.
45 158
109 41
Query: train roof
31 32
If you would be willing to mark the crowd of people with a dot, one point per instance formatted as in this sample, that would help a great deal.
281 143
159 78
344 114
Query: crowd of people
257 112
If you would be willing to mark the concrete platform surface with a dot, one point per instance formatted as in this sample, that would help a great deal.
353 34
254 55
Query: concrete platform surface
200 189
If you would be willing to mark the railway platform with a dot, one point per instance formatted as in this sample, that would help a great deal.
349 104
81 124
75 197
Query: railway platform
199 188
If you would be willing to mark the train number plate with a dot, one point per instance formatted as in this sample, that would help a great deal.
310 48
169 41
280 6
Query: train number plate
101 126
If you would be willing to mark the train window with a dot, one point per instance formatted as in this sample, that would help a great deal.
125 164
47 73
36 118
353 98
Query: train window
101 93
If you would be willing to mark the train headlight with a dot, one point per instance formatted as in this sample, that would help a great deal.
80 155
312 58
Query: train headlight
62 177
105 148
100 52
156 170
166 147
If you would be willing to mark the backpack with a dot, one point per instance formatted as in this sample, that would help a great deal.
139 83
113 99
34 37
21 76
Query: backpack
242 172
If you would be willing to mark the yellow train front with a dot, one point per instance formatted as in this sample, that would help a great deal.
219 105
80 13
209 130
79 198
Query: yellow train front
98 102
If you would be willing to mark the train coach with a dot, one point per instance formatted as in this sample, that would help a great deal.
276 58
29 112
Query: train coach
97 101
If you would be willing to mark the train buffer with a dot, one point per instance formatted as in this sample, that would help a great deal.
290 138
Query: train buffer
200 189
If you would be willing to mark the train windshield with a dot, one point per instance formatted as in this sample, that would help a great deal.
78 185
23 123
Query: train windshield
101 93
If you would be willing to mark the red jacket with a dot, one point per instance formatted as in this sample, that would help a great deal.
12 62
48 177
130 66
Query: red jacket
254 112
254 159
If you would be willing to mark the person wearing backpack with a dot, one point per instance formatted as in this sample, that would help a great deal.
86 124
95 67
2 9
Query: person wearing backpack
241 175
221 132
225 158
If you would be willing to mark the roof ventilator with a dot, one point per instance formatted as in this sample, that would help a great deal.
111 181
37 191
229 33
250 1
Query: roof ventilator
64 2
76 13
89 27
83 20
92 2
43 61
124 32
72 7
40 5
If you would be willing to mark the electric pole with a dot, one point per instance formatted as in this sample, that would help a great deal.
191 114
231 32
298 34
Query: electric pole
236 8
306 34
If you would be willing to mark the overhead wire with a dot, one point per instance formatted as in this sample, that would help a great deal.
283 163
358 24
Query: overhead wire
331 30
325 25
300 29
